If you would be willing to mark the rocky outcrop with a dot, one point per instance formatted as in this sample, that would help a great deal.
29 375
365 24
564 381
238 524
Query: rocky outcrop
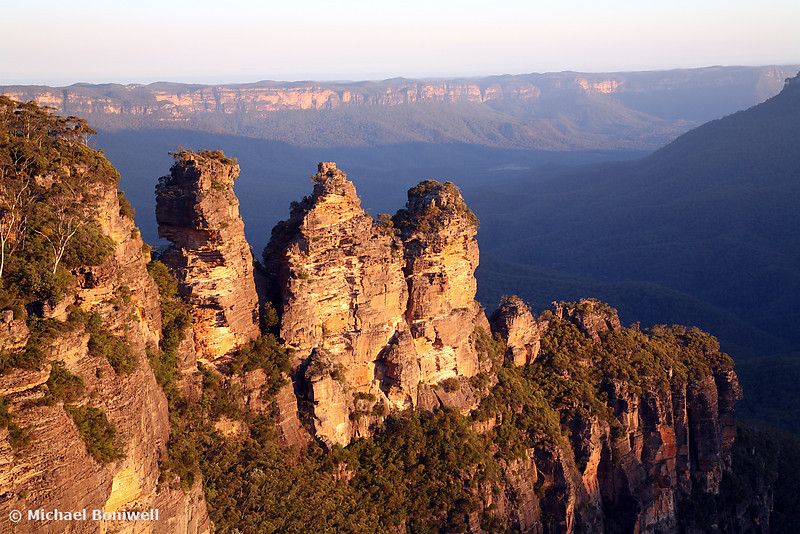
514 321
342 298
199 213
441 255
676 442
54 470
669 442
376 314
590 316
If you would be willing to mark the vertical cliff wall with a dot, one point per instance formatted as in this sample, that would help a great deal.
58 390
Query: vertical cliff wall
514 321
376 314
438 232
198 212
343 298
95 334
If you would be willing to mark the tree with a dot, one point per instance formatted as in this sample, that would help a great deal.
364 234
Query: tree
15 197
65 218
35 143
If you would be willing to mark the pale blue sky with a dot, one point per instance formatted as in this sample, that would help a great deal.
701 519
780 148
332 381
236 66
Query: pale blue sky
59 43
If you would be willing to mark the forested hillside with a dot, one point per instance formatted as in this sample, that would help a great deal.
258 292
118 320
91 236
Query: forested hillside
708 223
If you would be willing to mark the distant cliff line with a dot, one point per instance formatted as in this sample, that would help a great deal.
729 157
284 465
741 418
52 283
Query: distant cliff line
175 99
552 111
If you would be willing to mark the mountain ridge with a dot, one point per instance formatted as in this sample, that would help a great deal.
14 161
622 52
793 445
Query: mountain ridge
564 110
710 214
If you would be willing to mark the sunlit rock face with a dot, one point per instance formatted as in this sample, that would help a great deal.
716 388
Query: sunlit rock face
514 321
55 470
198 212
441 254
355 308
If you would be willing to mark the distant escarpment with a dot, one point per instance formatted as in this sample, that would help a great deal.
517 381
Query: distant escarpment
550 111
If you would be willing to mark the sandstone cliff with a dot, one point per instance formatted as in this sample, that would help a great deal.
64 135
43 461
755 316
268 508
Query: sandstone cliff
638 467
374 315
94 342
514 321
550 111
566 422
178 101
198 212
620 430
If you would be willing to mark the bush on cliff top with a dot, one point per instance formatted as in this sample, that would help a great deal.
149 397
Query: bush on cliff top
435 215
49 177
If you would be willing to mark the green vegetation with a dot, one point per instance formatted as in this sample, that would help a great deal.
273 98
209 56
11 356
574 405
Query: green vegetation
264 353
48 181
125 208
421 469
42 332
175 319
102 344
112 347
97 432
192 422
5 417
432 206
204 154
430 470
18 437
63 385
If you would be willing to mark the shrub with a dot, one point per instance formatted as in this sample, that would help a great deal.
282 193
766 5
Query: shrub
115 349
63 385
265 353
451 384
5 416
125 208
18 438
97 433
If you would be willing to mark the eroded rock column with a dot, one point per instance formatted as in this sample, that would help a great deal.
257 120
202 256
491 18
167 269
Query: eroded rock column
198 212
441 254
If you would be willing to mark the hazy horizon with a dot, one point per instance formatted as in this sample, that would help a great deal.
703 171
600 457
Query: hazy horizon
351 40
235 82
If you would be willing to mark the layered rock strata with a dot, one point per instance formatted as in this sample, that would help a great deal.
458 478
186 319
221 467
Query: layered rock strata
198 212
636 471
55 470
372 314
441 255
343 298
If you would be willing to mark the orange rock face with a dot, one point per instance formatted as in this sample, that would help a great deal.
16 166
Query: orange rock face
199 213
522 332
55 470
374 313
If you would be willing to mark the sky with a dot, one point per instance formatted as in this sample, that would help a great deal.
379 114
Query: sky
238 41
